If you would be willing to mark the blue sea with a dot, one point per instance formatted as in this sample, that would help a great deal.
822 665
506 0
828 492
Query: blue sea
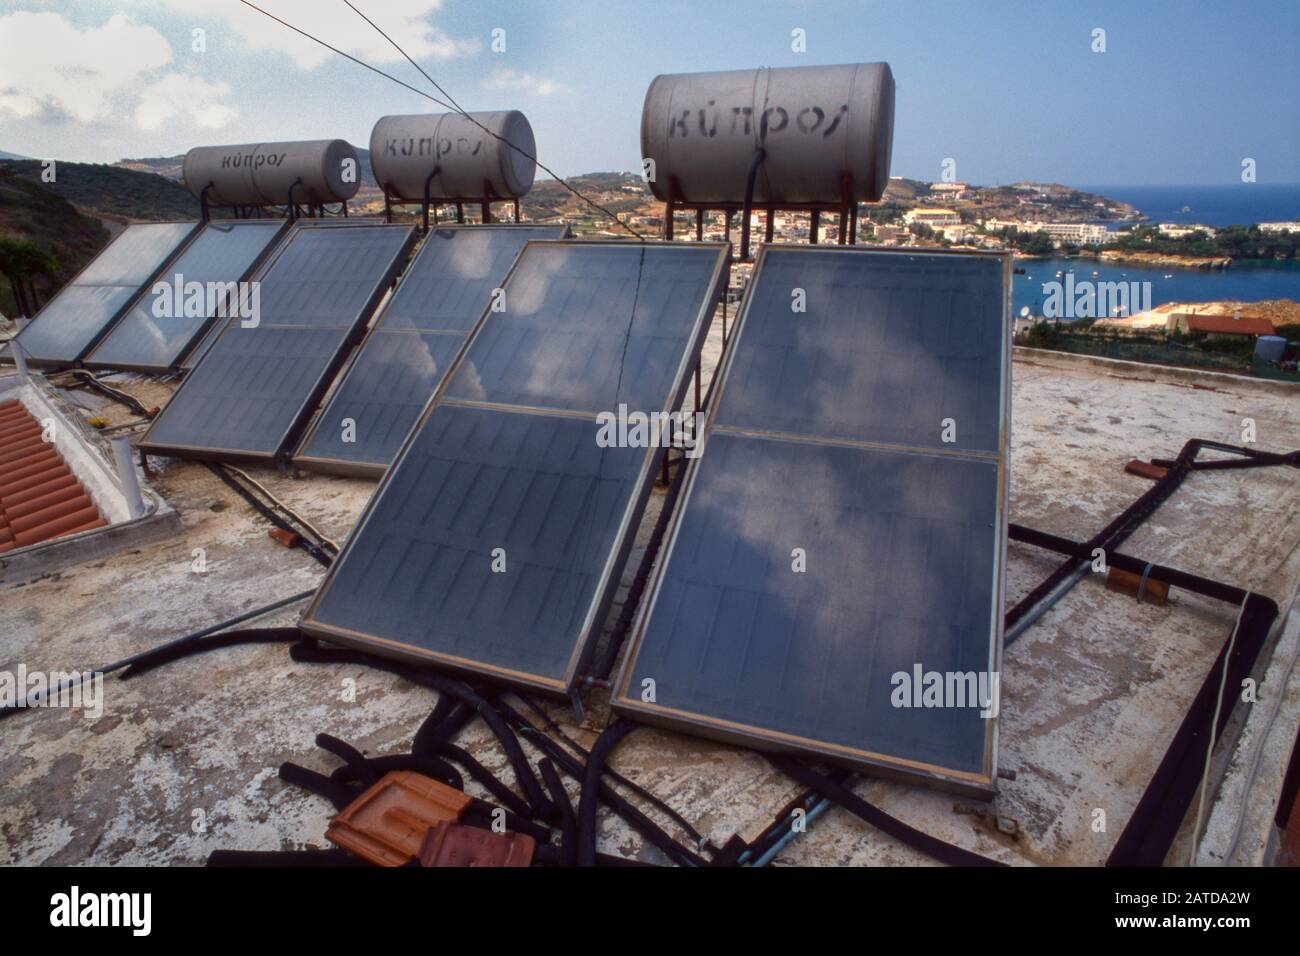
1244 281
1237 204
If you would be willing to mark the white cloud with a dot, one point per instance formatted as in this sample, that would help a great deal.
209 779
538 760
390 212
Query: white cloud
177 95
47 65
503 78
332 21
50 68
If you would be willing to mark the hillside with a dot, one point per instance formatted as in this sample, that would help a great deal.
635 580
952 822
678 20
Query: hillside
30 211
113 192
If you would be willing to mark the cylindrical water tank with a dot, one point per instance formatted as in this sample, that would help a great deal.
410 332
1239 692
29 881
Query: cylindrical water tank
404 150
815 123
261 174
1270 348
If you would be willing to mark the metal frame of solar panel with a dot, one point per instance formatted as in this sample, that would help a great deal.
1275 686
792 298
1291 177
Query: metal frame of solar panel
434 342
229 385
118 295
819 448
194 262
494 441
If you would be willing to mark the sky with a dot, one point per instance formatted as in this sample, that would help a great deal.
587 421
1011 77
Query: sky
1167 93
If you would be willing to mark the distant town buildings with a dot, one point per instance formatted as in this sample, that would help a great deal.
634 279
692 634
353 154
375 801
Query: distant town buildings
948 190
1279 226
1174 230
1080 233
932 217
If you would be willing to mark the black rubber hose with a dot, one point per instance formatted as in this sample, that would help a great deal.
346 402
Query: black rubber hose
922 842
284 858
582 754
430 767
638 821
355 759
591 783
333 791
568 821
539 802
429 730
480 813
504 794
171 652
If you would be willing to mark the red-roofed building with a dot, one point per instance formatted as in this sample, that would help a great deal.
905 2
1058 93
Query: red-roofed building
1220 326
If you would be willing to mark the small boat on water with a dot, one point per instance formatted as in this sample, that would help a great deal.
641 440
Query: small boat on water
1095 273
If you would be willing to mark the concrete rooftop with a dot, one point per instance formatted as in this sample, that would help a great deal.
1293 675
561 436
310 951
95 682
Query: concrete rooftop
1091 694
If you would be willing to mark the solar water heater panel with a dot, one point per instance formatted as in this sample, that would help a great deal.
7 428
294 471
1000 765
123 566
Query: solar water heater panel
439 300
84 310
838 551
155 333
495 541
262 378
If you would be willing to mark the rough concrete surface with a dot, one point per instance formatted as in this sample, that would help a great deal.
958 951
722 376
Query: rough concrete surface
184 759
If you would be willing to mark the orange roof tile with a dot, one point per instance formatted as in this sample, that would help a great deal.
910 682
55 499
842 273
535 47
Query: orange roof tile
40 497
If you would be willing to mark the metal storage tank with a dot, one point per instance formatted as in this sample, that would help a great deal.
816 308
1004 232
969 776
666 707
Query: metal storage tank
1270 348
260 174
815 123
404 150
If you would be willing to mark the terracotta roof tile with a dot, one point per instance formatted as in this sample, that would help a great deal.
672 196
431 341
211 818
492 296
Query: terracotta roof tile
40 497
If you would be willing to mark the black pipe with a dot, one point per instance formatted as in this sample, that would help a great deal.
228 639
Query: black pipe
354 758
922 842
605 743
618 636
582 755
427 180
1156 572
634 818
304 541
568 821
178 649
432 767
127 661
293 209
284 858
523 770
750 177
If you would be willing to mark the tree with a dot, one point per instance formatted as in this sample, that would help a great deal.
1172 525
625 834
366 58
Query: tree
21 261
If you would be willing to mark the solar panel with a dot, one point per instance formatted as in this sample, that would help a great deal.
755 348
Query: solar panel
149 338
256 386
839 546
494 542
436 305
76 318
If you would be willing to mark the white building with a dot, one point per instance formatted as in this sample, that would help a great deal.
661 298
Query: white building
1279 227
1177 231
1084 233
932 217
